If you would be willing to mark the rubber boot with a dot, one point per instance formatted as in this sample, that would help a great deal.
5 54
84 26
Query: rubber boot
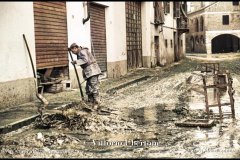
95 104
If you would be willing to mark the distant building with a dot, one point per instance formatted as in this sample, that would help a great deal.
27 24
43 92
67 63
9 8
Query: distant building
122 36
213 27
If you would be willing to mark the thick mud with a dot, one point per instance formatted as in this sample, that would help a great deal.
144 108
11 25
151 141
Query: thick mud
139 122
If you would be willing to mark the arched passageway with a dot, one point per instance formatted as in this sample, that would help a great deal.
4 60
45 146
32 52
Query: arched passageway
225 43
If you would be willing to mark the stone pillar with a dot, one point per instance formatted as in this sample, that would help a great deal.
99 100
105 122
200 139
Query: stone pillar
208 44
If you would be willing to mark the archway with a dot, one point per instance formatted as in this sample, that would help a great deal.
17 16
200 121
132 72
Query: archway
225 43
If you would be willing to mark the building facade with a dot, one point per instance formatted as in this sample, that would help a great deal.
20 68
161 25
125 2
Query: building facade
146 35
214 28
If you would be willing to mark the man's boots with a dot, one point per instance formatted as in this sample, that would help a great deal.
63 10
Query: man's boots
89 99
96 104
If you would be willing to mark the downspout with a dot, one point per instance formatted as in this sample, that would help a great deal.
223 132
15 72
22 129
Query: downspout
88 16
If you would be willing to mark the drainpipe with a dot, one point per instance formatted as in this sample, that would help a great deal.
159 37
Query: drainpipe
88 16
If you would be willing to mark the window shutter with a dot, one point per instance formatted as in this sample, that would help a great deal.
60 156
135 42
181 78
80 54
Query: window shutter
176 12
158 12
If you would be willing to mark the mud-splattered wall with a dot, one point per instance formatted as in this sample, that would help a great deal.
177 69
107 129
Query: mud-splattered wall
16 70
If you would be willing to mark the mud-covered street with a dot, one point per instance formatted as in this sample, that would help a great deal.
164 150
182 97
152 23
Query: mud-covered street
137 120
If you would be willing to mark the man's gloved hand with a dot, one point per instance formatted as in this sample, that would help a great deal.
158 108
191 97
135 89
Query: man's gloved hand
74 62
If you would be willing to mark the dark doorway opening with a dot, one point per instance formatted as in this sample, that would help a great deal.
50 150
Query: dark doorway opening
225 43
176 46
156 46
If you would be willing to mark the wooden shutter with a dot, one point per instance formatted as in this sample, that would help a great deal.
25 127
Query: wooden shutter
158 12
166 7
50 22
98 34
176 9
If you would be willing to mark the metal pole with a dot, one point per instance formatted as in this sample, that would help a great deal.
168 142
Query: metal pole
79 84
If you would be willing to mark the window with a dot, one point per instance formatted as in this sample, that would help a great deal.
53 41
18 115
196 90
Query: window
166 43
176 9
225 19
158 13
235 3
197 25
171 44
201 24
166 7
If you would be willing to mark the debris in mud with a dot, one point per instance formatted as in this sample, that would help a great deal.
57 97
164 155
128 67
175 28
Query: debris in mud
55 140
76 119
1 141
180 110
207 123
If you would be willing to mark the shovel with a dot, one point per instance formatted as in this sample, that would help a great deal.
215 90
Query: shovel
39 96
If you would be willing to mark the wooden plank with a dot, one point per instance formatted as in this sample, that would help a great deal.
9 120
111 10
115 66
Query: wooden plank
97 17
50 41
55 34
100 55
47 65
49 22
63 3
230 93
52 5
51 30
52 64
46 11
49 8
49 27
196 123
205 94
51 60
62 49
50 56
51 49
97 29
63 38
50 45
100 33
49 19
46 15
